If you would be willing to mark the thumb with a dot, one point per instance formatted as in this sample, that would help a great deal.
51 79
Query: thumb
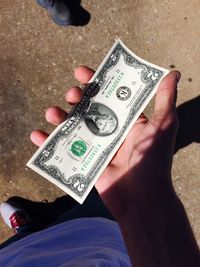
166 95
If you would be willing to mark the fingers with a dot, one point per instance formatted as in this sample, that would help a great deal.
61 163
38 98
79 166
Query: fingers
73 95
83 74
142 119
38 137
166 95
55 115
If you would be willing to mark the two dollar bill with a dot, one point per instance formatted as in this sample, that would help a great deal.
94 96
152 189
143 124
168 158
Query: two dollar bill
78 150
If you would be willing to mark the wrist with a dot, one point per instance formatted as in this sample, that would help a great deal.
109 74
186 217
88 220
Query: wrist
139 194
151 203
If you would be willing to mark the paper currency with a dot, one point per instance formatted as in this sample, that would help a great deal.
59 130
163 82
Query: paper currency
78 150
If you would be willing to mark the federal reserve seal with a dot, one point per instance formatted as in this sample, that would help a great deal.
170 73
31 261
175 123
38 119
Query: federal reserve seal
123 93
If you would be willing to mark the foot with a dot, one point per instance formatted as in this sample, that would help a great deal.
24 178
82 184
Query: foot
58 10
14 217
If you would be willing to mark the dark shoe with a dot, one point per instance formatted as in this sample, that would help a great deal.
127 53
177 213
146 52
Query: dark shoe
58 10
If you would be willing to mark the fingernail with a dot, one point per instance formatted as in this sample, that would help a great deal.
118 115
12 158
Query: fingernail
178 76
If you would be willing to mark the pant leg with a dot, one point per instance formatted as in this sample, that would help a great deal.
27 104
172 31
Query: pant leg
23 232
92 207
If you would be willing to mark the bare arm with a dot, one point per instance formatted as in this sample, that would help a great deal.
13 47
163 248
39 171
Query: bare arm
157 233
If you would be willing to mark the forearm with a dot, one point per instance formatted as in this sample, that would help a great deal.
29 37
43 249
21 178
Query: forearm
158 234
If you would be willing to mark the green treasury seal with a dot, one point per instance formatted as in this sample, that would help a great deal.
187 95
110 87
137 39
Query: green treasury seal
78 148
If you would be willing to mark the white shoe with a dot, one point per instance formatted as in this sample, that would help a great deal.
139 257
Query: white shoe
13 216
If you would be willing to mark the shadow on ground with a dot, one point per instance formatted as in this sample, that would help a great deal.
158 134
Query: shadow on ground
189 128
80 15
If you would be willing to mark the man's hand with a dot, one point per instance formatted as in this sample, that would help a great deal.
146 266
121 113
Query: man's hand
142 165
136 185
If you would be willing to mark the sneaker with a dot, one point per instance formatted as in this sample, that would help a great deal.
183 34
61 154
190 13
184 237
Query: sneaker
14 217
58 10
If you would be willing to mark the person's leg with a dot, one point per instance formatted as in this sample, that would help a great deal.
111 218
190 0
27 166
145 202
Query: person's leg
17 219
92 207
65 12
58 10
23 226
